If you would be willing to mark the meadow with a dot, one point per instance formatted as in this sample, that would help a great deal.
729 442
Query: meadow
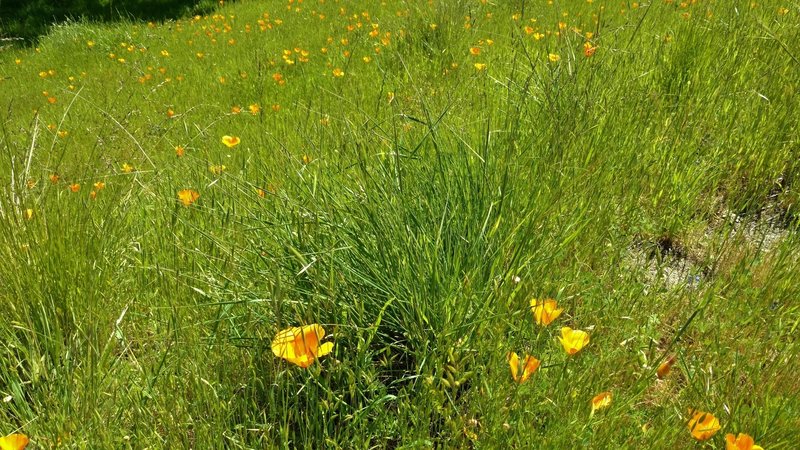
446 189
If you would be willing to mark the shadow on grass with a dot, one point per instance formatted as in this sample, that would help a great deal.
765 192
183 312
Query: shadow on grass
25 21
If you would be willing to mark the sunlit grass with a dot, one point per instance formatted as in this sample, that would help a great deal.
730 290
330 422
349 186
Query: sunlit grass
598 195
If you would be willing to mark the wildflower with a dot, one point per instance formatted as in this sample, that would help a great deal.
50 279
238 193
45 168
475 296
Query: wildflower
29 214
62 134
601 401
93 195
703 425
170 113
553 57
740 442
480 66
75 187
665 367
179 151
236 109
300 345
254 109
216 169
338 73
14 442
54 178
188 196
306 159
99 185
127 168
573 340
588 49
545 311
475 51
529 366
230 141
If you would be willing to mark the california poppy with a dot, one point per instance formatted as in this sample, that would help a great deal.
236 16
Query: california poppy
703 425
75 187
601 401
300 345
665 367
14 442
545 311
529 366
230 141
188 196
573 340
740 442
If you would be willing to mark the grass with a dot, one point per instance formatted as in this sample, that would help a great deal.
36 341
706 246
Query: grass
413 205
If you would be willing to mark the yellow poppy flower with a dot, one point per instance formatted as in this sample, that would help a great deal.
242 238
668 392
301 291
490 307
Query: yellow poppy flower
601 401
573 340
703 425
529 366
230 141
14 442
545 311
740 442
300 345
188 196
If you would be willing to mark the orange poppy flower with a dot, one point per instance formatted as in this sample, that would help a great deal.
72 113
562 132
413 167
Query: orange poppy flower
740 442
529 366
573 340
703 425
54 178
14 442
300 345
601 401
231 141
75 187
665 367
188 196
545 311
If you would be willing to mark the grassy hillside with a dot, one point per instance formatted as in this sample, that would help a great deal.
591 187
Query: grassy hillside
412 176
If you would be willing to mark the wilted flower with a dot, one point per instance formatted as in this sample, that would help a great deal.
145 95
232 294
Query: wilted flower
573 340
14 442
529 366
216 169
545 311
740 442
703 425
601 401
300 345
188 196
